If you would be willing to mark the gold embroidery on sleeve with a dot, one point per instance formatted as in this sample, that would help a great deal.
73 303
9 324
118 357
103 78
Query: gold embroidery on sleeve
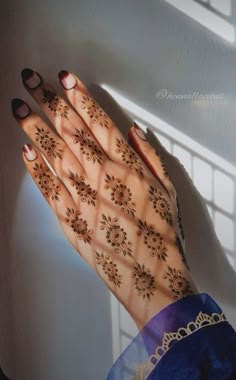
203 320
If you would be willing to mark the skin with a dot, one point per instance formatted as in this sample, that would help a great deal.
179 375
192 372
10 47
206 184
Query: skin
132 239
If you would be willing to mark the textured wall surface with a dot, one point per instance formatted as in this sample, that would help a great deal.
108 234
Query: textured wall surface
55 320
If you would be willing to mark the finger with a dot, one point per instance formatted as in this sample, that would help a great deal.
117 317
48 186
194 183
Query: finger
67 122
57 153
59 199
154 162
99 123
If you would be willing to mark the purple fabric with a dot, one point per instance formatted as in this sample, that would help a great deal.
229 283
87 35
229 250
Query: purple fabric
173 317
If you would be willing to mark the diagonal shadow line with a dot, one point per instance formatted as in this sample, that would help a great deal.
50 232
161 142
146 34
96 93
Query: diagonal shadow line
207 5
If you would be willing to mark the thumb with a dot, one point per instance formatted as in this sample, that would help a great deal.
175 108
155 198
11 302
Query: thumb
154 161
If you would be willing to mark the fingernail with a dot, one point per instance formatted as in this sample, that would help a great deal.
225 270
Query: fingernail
139 132
20 109
29 152
30 78
67 79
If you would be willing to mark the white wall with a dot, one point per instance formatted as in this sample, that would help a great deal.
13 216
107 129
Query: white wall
55 314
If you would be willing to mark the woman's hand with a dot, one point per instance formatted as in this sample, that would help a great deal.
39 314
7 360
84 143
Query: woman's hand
120 215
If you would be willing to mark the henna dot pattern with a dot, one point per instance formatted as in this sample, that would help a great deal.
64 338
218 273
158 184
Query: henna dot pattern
160 204
181 250
178 284
153 240
87 146
144 281
95 112
46 182
115 235
87 194
179 217
55 104
163 166
78 225
120 194
109 268
48 143
128 156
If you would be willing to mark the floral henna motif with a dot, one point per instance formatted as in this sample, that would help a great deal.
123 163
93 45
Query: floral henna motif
179 217
178 284
160 204
120 194
116 236
78 225
109 268
48 143
87 146
95 112
153 240
128 156
45 180
85 191
55 104
144 281
181 250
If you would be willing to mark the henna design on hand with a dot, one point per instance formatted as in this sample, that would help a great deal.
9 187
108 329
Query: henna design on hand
181 251
179 217
120 194
109 268
55 104
85 191
160 204
95 112
87 146
78 225
178 284
48 143
45 180
128 156
153 240
115 235
144 281
163 165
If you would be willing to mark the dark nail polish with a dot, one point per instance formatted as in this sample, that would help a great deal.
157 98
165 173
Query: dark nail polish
67 79
139 132
31 79
20 109
29 152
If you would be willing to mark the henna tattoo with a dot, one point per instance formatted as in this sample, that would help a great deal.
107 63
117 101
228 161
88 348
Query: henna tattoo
163 165
128 156
87 146
48 143
120 194
95 112
178 284
153 240
78 225
109 268
85 191
179 217
116 236
55 104
45 180
181 251
160 204
144 281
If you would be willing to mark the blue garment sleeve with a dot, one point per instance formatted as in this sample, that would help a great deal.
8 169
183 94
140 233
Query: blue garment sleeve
188 339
